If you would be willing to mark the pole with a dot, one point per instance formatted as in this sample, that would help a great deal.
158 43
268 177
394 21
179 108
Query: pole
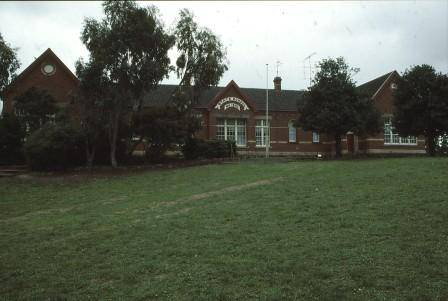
267 113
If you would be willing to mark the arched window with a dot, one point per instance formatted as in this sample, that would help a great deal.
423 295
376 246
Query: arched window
292 131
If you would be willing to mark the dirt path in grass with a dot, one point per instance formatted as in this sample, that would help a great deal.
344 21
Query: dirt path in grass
194 197
200 196
204 195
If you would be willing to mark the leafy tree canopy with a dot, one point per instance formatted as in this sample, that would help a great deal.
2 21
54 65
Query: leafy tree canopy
200 64
202 59
332 104
421 104
8 64
131 46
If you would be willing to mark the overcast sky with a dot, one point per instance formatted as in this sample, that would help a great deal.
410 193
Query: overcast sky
377 37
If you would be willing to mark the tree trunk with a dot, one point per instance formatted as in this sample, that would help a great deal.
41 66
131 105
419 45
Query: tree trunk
90 155
337 139
430 144
90 148
113 157
113 137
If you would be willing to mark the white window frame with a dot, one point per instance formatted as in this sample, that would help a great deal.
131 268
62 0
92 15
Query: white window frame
238 126
316 137
262 131
292 132
390 137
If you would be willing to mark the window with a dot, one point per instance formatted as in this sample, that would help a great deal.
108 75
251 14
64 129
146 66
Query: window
261 133
391 137
315 137
231 130
292 131
48 69
240 132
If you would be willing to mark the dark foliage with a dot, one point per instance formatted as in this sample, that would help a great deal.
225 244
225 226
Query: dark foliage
102 149
159 128
421 105
34 108
11 140
90 101
195 148
54 147
131 47
333 106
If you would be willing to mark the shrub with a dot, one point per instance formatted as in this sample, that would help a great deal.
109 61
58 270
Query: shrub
11 140
54 147
198 148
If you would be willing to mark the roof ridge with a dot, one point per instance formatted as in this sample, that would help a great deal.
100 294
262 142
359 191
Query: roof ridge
264 89
386 75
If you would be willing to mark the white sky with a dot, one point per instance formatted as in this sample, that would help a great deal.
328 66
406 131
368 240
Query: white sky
376 36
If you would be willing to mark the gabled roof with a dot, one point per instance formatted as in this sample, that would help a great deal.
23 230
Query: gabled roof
226 89
47 53
370 88
284 100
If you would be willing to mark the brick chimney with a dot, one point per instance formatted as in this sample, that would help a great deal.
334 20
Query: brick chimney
277 83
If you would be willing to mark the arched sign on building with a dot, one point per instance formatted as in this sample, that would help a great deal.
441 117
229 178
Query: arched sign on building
231 102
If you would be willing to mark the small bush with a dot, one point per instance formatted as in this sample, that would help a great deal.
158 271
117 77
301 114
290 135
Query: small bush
197 148
54 147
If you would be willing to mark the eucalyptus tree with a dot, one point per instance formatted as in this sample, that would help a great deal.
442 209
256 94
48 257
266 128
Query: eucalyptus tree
90 99
131 45
201 62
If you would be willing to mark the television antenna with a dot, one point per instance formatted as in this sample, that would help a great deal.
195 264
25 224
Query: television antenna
277 64
309 66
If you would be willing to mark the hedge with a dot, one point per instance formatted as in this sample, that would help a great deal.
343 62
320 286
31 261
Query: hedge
196 148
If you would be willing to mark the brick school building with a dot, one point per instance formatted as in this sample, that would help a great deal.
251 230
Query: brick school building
239 114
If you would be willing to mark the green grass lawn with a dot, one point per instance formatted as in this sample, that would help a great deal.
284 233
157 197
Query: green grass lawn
313 230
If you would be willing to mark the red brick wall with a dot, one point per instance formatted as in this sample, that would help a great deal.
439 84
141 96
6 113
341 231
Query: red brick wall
60 85
304 145
278 129
384 101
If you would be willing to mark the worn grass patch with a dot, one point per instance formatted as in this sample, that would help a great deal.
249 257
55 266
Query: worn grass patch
340 230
